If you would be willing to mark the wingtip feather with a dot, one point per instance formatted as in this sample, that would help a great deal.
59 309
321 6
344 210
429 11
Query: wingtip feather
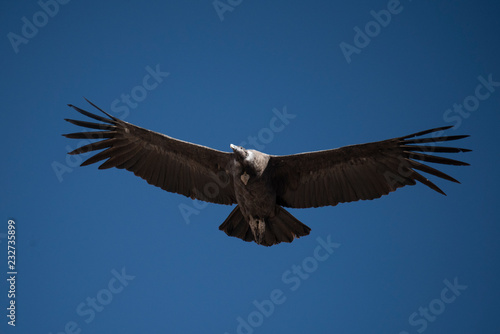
93 105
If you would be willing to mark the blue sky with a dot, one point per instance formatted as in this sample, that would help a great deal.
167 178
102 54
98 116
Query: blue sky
104 252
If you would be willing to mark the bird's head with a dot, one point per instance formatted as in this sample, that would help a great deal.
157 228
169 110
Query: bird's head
240 152
249 159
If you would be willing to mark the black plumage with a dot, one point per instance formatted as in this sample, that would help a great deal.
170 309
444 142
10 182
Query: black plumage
261 184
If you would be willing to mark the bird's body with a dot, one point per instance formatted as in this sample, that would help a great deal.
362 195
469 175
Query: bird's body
254 191
256 196
261 184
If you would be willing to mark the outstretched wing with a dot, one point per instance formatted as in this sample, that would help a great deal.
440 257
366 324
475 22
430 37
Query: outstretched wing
176 166
365 171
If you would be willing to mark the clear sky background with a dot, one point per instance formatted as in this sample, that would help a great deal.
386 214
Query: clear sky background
104 252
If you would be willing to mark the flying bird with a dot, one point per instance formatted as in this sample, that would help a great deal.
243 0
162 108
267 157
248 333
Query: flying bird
261 184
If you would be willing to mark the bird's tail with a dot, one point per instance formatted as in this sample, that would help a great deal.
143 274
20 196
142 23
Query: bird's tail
282 227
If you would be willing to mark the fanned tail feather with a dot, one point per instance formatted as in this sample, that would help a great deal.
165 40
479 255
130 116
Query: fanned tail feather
282 227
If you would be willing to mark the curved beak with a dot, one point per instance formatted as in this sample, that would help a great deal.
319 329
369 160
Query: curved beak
238 150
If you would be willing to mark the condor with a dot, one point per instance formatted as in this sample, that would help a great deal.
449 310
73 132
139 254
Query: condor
260 184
